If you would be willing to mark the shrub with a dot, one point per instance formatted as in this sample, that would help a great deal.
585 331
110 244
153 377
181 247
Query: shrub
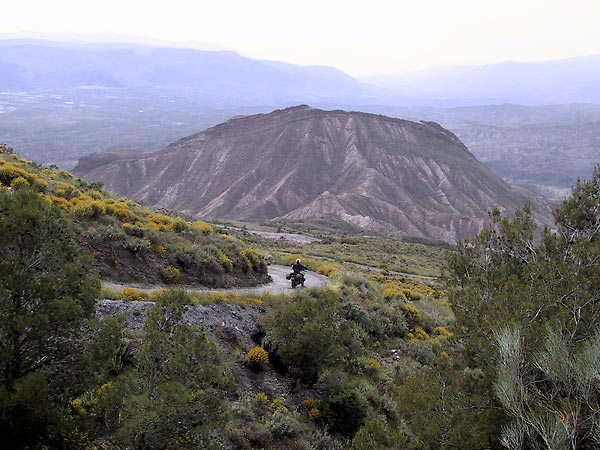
376 434
137 245
421 351
111 233
412 314
443 332
122 212
179 225
159 218
344 410
372 365
393 291
321 440
186 255
418 335
251 258
281 424
262 398
202 227
88 209
134 230
160 249
312 333
19 182
312 410
67 191
170 274
8 172
257 357
132 294
95 194
225 261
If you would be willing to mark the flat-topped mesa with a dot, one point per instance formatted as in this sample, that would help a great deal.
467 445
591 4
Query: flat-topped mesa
376 172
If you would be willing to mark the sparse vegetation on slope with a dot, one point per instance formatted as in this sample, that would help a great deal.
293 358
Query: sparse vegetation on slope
376 360
134 243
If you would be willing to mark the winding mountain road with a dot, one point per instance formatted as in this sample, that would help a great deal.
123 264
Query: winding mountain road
277 286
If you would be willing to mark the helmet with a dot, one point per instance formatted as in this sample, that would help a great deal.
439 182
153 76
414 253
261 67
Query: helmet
298 261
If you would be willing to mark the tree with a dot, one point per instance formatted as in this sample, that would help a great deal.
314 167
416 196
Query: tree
176 392
311 334
552 397
489 280
46 292
531 314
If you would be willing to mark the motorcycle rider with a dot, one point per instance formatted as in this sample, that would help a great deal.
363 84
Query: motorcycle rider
298 267
297 275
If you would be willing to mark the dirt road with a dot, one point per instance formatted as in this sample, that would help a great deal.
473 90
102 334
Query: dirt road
277 286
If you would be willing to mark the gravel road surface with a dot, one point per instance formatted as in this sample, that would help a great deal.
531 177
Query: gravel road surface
277 286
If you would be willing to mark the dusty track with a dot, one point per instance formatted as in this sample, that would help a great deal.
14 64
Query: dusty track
277 286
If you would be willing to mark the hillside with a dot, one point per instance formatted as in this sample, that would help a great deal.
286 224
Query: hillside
381 174
133 243
545 149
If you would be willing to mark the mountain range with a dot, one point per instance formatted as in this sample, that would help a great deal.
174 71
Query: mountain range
62 100
212 76
379 173
37 65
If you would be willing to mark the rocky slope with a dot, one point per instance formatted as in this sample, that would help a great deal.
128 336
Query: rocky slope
380 173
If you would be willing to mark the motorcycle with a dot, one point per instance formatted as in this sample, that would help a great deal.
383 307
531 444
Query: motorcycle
297 279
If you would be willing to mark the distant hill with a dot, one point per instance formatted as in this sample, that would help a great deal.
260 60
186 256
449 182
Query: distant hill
571 80
215 76
379 173
541 148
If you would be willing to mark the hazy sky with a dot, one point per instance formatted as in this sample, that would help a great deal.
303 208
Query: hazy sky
361 37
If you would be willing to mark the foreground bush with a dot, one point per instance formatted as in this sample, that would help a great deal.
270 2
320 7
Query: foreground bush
344 410
46 294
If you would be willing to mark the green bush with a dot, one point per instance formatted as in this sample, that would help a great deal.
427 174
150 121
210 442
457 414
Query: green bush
170 274
138 246
344 410
311 333
377 435
187 256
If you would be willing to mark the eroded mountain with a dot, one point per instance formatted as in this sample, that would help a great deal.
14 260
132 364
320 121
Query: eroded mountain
380 173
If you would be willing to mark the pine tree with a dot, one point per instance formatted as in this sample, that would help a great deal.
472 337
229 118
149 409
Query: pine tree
46 292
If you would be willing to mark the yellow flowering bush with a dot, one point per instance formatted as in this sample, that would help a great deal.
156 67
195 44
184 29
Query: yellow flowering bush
262 398
312 411
411 312
443 332
257 357
132 294
251 258
418 335
372 365
202 227
179 225
19 182
225 261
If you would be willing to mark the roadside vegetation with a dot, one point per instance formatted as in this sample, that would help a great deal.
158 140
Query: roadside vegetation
373 251
132 243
